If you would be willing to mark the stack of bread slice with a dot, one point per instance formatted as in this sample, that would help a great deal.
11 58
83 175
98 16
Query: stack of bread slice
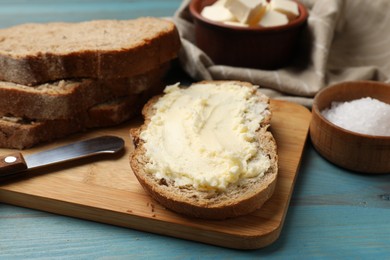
61 78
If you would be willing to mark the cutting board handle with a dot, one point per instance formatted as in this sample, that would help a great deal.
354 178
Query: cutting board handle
12 163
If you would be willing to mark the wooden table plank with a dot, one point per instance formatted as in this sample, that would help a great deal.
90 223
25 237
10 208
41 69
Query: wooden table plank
20 11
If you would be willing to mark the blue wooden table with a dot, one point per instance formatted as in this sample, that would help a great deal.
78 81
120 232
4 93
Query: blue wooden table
333 213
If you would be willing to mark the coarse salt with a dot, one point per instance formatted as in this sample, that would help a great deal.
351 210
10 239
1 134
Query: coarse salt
366 116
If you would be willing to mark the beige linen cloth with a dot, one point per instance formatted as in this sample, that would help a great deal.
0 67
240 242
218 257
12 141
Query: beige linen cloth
344 40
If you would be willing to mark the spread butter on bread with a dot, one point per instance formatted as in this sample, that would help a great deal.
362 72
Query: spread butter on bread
205 151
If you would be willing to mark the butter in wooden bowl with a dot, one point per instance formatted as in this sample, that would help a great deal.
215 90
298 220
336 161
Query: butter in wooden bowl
254 13
248 33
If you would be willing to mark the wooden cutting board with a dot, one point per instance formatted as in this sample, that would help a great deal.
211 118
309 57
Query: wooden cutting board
104 189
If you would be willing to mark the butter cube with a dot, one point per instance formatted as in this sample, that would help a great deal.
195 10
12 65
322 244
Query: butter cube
246 11
287 7
273 18
217 13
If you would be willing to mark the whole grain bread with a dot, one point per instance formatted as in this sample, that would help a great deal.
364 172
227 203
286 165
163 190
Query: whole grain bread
38 53
57 100
238 199
21 133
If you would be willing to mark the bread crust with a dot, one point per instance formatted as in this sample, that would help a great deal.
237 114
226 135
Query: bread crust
237 200
132 58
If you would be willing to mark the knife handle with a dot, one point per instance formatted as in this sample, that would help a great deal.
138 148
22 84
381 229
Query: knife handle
12 163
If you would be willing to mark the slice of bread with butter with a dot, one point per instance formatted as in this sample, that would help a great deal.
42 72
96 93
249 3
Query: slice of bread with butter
205 151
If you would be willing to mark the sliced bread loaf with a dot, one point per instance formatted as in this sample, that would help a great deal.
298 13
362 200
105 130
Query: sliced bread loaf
37 53
65 99
22 133
169 177
121 109
19 133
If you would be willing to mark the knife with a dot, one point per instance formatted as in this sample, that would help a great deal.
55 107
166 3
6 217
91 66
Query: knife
12 164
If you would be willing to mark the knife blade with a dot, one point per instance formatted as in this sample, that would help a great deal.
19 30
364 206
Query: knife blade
15 163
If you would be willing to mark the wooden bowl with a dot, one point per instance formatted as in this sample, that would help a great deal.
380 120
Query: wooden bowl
254 47
350 150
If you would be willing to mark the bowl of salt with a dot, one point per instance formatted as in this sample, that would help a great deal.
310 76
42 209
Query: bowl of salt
350 125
